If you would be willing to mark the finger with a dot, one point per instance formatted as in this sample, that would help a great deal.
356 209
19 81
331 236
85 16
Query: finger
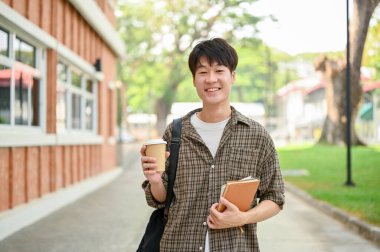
149 166
142 150
210 222
216 216
227 204
149 162
167 154
149 172
146 159
214 208
212 219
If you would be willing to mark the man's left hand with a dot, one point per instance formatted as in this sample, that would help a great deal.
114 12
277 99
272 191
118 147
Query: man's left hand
230 217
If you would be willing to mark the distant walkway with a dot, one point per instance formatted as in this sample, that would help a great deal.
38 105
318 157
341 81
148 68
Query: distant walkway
300 228
113 219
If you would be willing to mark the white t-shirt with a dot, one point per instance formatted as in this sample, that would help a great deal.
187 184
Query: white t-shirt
211 133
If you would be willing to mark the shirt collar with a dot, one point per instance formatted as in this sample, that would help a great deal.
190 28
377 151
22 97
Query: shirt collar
236 116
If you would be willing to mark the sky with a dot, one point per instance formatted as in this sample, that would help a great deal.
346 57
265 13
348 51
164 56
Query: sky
304 25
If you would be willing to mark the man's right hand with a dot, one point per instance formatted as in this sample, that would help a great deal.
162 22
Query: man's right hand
149 165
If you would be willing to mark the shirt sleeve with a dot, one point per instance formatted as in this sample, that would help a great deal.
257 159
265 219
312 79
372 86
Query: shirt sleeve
271 182
151 201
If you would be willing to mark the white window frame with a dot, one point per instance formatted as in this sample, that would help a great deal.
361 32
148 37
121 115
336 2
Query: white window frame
39 71
12 136
84 94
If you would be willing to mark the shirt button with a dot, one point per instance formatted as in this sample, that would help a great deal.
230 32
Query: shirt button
204 223
212 166
200 248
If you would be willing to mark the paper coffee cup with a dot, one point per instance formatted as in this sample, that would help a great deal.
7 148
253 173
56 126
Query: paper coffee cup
157 148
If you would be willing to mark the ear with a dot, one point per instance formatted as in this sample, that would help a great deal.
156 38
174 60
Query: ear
233 77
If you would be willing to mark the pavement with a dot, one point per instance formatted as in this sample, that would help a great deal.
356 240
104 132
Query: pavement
113 219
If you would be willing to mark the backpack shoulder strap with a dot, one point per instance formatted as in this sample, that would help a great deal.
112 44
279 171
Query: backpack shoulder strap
173 160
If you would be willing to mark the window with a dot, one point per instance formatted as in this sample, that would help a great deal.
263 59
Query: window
89 105
20 81
24 52
61 109
5 95
76 99
4 43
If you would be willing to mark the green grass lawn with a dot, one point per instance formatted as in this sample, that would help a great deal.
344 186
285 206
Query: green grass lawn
327 175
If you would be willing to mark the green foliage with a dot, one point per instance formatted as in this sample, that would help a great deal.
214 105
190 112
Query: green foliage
258 75
158 36
371 55
328 175
186 91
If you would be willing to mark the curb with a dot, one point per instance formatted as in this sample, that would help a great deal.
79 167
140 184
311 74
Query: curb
366 230
22 216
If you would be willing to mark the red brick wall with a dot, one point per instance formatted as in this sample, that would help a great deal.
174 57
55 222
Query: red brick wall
58 165
29 172
67 23
44 183
51 90
80 162
108 10
46 16
33 11
32 173
66 164
17 176
8 2
20 6
4 179
60 20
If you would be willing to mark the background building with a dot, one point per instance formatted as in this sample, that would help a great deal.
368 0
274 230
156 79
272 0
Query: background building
302 107
57 95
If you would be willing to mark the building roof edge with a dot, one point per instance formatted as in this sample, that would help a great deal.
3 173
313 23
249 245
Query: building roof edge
96 18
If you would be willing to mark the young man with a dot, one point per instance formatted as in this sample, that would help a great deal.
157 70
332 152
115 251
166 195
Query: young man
217 144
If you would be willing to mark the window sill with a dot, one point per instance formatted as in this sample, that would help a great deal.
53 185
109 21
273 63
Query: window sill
32 138
78 139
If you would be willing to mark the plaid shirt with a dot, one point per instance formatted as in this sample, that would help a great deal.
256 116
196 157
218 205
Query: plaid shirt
245 149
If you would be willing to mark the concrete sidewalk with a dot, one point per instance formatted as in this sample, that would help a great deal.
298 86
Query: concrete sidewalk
113 218
301 227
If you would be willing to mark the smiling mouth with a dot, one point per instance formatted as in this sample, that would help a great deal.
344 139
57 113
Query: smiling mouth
212 89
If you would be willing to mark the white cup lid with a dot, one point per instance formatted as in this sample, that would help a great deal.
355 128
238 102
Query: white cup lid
155 141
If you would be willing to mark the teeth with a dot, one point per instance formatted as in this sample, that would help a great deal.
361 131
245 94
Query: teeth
212 89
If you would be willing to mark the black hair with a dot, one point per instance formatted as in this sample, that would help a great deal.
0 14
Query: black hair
215 50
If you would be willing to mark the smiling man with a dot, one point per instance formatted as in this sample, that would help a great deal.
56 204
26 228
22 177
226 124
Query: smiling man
218 144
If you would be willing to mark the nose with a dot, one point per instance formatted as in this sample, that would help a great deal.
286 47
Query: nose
211 77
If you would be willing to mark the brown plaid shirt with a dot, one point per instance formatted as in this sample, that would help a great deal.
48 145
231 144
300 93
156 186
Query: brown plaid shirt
245 149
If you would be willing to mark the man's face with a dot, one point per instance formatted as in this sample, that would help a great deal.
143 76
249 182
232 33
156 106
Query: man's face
213 82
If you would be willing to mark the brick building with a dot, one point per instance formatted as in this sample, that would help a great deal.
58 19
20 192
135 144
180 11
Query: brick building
57 95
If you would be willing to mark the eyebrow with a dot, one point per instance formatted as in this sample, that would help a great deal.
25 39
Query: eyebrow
199 65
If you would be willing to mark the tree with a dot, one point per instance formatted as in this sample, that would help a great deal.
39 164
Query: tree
259 74
371 57
334 73
159 35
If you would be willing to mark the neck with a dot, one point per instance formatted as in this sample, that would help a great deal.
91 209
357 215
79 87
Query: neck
214 114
